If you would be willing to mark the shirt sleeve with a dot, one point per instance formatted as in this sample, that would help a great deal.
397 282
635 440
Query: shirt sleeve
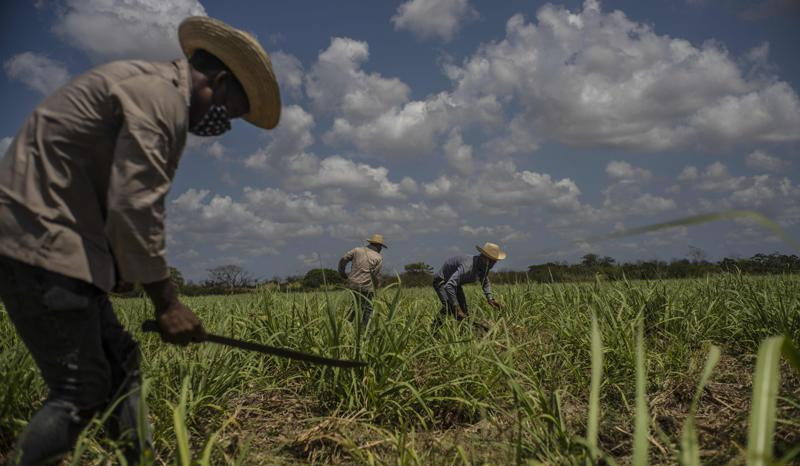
376 272
487 287
452 285
344 260
145 157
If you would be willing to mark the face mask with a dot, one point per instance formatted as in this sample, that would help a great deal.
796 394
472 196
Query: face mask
213 123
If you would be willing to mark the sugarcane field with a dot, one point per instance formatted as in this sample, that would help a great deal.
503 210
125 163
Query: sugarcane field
519 391
407 232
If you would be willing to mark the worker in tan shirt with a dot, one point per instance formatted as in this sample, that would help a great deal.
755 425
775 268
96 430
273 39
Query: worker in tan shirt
82 190
365 274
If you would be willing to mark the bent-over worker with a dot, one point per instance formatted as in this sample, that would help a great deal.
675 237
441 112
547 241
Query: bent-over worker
82 191
460 270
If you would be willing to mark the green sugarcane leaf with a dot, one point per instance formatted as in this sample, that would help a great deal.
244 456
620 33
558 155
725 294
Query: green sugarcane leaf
690 448
765 393
205 460
179 422
642 430
753 216
594 391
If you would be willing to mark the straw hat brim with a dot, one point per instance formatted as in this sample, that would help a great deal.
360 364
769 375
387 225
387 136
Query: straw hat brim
372 241
500 254
246 59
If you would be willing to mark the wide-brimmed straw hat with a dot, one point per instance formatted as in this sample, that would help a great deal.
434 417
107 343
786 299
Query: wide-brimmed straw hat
377 239
246 59
492 251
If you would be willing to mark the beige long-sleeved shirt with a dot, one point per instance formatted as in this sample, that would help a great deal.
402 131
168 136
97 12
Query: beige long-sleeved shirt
85 179
366 267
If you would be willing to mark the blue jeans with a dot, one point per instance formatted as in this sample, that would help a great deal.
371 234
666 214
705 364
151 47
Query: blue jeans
86 358
447 308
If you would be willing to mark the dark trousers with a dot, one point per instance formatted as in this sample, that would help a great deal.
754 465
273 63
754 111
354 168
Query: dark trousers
363 303
447 308
86 358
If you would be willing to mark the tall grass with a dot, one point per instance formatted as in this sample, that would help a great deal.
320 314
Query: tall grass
564 374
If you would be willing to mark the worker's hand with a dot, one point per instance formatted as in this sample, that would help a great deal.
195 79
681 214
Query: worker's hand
122 287
343 275
179 325
460 314
176 323
495 304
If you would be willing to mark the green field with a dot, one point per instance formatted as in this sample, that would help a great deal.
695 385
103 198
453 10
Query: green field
518 392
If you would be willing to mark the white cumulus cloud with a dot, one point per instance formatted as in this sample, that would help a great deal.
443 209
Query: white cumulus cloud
288 71
401 132
372 112
620 170
4 143
759 160
498 187
353 177
289 141
715 177
201 218
40 73
433 18
292 207
458 154
123 29
336 83
495 233
588 78
216 150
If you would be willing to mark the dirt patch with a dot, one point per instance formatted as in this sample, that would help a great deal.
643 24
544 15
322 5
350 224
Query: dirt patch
721 419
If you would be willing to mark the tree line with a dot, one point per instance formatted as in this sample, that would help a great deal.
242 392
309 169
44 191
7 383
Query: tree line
231 278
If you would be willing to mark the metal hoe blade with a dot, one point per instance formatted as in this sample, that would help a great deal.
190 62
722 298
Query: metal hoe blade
152 326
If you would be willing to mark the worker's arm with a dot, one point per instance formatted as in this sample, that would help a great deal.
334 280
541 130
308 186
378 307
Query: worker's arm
487 291
148 145
343 263
451 287
376 273
176 322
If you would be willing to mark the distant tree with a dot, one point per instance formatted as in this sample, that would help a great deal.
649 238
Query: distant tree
316 278
177 277
417 274
589 260
548 272
418 267
606 261
293 279
697 255
729 265
231 276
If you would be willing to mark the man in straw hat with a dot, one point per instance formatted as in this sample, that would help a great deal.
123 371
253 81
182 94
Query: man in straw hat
365 273
460 270
82 190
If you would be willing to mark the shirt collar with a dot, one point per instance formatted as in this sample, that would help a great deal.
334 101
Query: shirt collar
476 265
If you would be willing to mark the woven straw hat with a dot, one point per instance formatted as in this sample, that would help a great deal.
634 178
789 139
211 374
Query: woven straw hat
377 239
492 251
246 59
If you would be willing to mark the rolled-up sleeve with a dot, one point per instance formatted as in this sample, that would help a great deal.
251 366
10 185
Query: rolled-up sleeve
452 285
145 157
344 260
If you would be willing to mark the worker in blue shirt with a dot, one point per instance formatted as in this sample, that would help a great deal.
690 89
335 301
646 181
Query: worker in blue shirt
460 270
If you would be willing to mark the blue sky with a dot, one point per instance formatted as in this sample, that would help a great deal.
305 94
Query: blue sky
447 123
